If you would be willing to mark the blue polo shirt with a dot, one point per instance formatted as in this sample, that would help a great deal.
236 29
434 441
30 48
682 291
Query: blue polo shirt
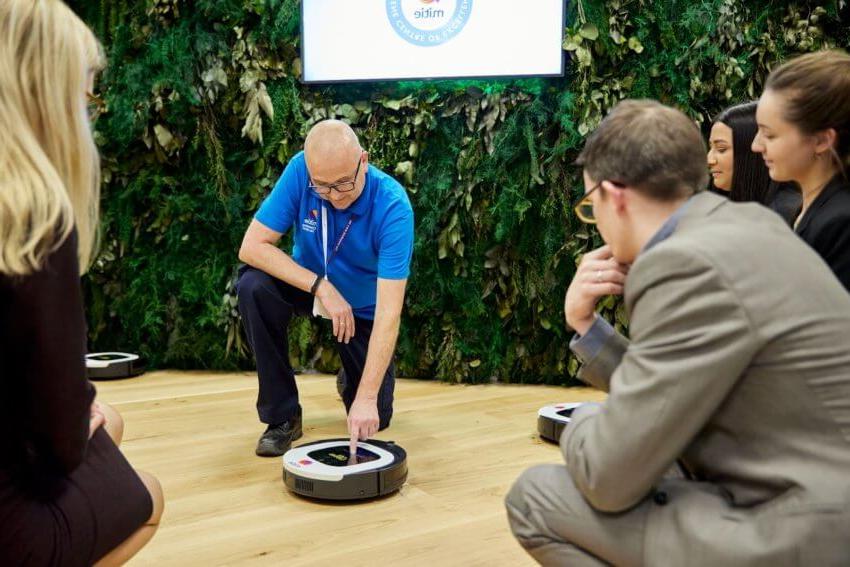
379 243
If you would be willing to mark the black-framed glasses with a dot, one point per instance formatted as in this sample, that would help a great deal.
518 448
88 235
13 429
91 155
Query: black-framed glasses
339 187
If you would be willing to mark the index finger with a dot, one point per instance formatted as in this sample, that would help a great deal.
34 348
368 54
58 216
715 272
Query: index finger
601 253
352 445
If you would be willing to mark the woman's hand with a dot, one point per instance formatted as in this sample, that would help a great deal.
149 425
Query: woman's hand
96 420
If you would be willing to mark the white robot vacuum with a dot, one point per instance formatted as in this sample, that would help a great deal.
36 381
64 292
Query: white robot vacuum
113 365
551 420
324 469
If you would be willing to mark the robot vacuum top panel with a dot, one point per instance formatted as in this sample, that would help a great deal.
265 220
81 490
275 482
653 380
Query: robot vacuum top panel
559 412
105 359
329 460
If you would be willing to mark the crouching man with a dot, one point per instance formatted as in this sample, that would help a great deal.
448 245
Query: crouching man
352 228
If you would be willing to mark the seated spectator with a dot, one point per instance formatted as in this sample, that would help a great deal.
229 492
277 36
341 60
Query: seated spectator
740 386
67 495
804 137
739 172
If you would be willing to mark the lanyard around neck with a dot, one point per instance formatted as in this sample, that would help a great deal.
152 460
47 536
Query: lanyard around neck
325 238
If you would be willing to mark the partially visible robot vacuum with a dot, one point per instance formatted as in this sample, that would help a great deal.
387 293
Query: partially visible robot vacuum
113 365
324 469
551 420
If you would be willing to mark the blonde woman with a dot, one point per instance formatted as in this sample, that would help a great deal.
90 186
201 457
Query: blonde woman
67 495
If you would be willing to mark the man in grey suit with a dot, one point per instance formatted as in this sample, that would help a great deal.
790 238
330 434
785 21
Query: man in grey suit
737 375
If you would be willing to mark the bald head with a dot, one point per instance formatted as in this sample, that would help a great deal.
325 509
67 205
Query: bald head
334 158
331 141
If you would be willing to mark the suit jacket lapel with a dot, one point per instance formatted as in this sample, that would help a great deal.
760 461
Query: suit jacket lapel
820 201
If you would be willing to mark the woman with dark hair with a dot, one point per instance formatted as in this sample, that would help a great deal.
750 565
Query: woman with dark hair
804 136
739 172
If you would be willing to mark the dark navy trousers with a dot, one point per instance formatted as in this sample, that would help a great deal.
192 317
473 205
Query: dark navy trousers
267 305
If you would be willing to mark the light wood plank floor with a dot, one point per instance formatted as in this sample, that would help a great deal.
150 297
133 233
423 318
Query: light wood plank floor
224 506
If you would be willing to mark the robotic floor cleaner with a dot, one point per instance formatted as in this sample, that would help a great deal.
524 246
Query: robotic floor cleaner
324 469
551 420
113 365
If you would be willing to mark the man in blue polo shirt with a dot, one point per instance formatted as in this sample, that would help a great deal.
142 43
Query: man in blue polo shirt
353 241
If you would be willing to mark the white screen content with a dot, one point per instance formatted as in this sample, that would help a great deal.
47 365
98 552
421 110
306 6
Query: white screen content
362 40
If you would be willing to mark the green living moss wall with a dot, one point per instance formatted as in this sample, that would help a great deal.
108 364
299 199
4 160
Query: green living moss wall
204 107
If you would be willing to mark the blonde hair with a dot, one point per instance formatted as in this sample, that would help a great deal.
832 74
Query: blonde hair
49 165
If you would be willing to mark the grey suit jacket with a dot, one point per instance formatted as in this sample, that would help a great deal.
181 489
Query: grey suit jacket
738 367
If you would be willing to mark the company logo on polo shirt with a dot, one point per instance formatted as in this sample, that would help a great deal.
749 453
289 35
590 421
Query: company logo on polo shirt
427 23
310 223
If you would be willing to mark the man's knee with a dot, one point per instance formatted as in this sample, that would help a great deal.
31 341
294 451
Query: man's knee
384 419
385 401
251 284
539 489
517 501
531 480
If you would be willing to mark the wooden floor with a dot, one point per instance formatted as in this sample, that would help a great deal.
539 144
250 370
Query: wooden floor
224 506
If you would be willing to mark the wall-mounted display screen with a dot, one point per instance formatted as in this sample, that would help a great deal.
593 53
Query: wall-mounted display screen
369 40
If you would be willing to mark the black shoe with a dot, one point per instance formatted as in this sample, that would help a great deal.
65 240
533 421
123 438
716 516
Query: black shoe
278 438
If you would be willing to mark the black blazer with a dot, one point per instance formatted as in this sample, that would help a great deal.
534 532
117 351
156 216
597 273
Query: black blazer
785 200
826 227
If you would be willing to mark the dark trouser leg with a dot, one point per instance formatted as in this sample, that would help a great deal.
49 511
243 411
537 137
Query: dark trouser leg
267 305
353 357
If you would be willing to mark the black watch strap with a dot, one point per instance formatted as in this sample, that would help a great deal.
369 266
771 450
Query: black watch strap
315 285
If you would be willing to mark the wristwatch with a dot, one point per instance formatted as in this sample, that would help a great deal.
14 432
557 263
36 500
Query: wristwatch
315 285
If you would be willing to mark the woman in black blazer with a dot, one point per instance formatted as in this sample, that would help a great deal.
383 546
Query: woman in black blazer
67 495
804 136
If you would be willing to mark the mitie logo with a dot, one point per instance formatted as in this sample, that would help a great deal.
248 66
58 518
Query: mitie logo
429 13
427 23
310 223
